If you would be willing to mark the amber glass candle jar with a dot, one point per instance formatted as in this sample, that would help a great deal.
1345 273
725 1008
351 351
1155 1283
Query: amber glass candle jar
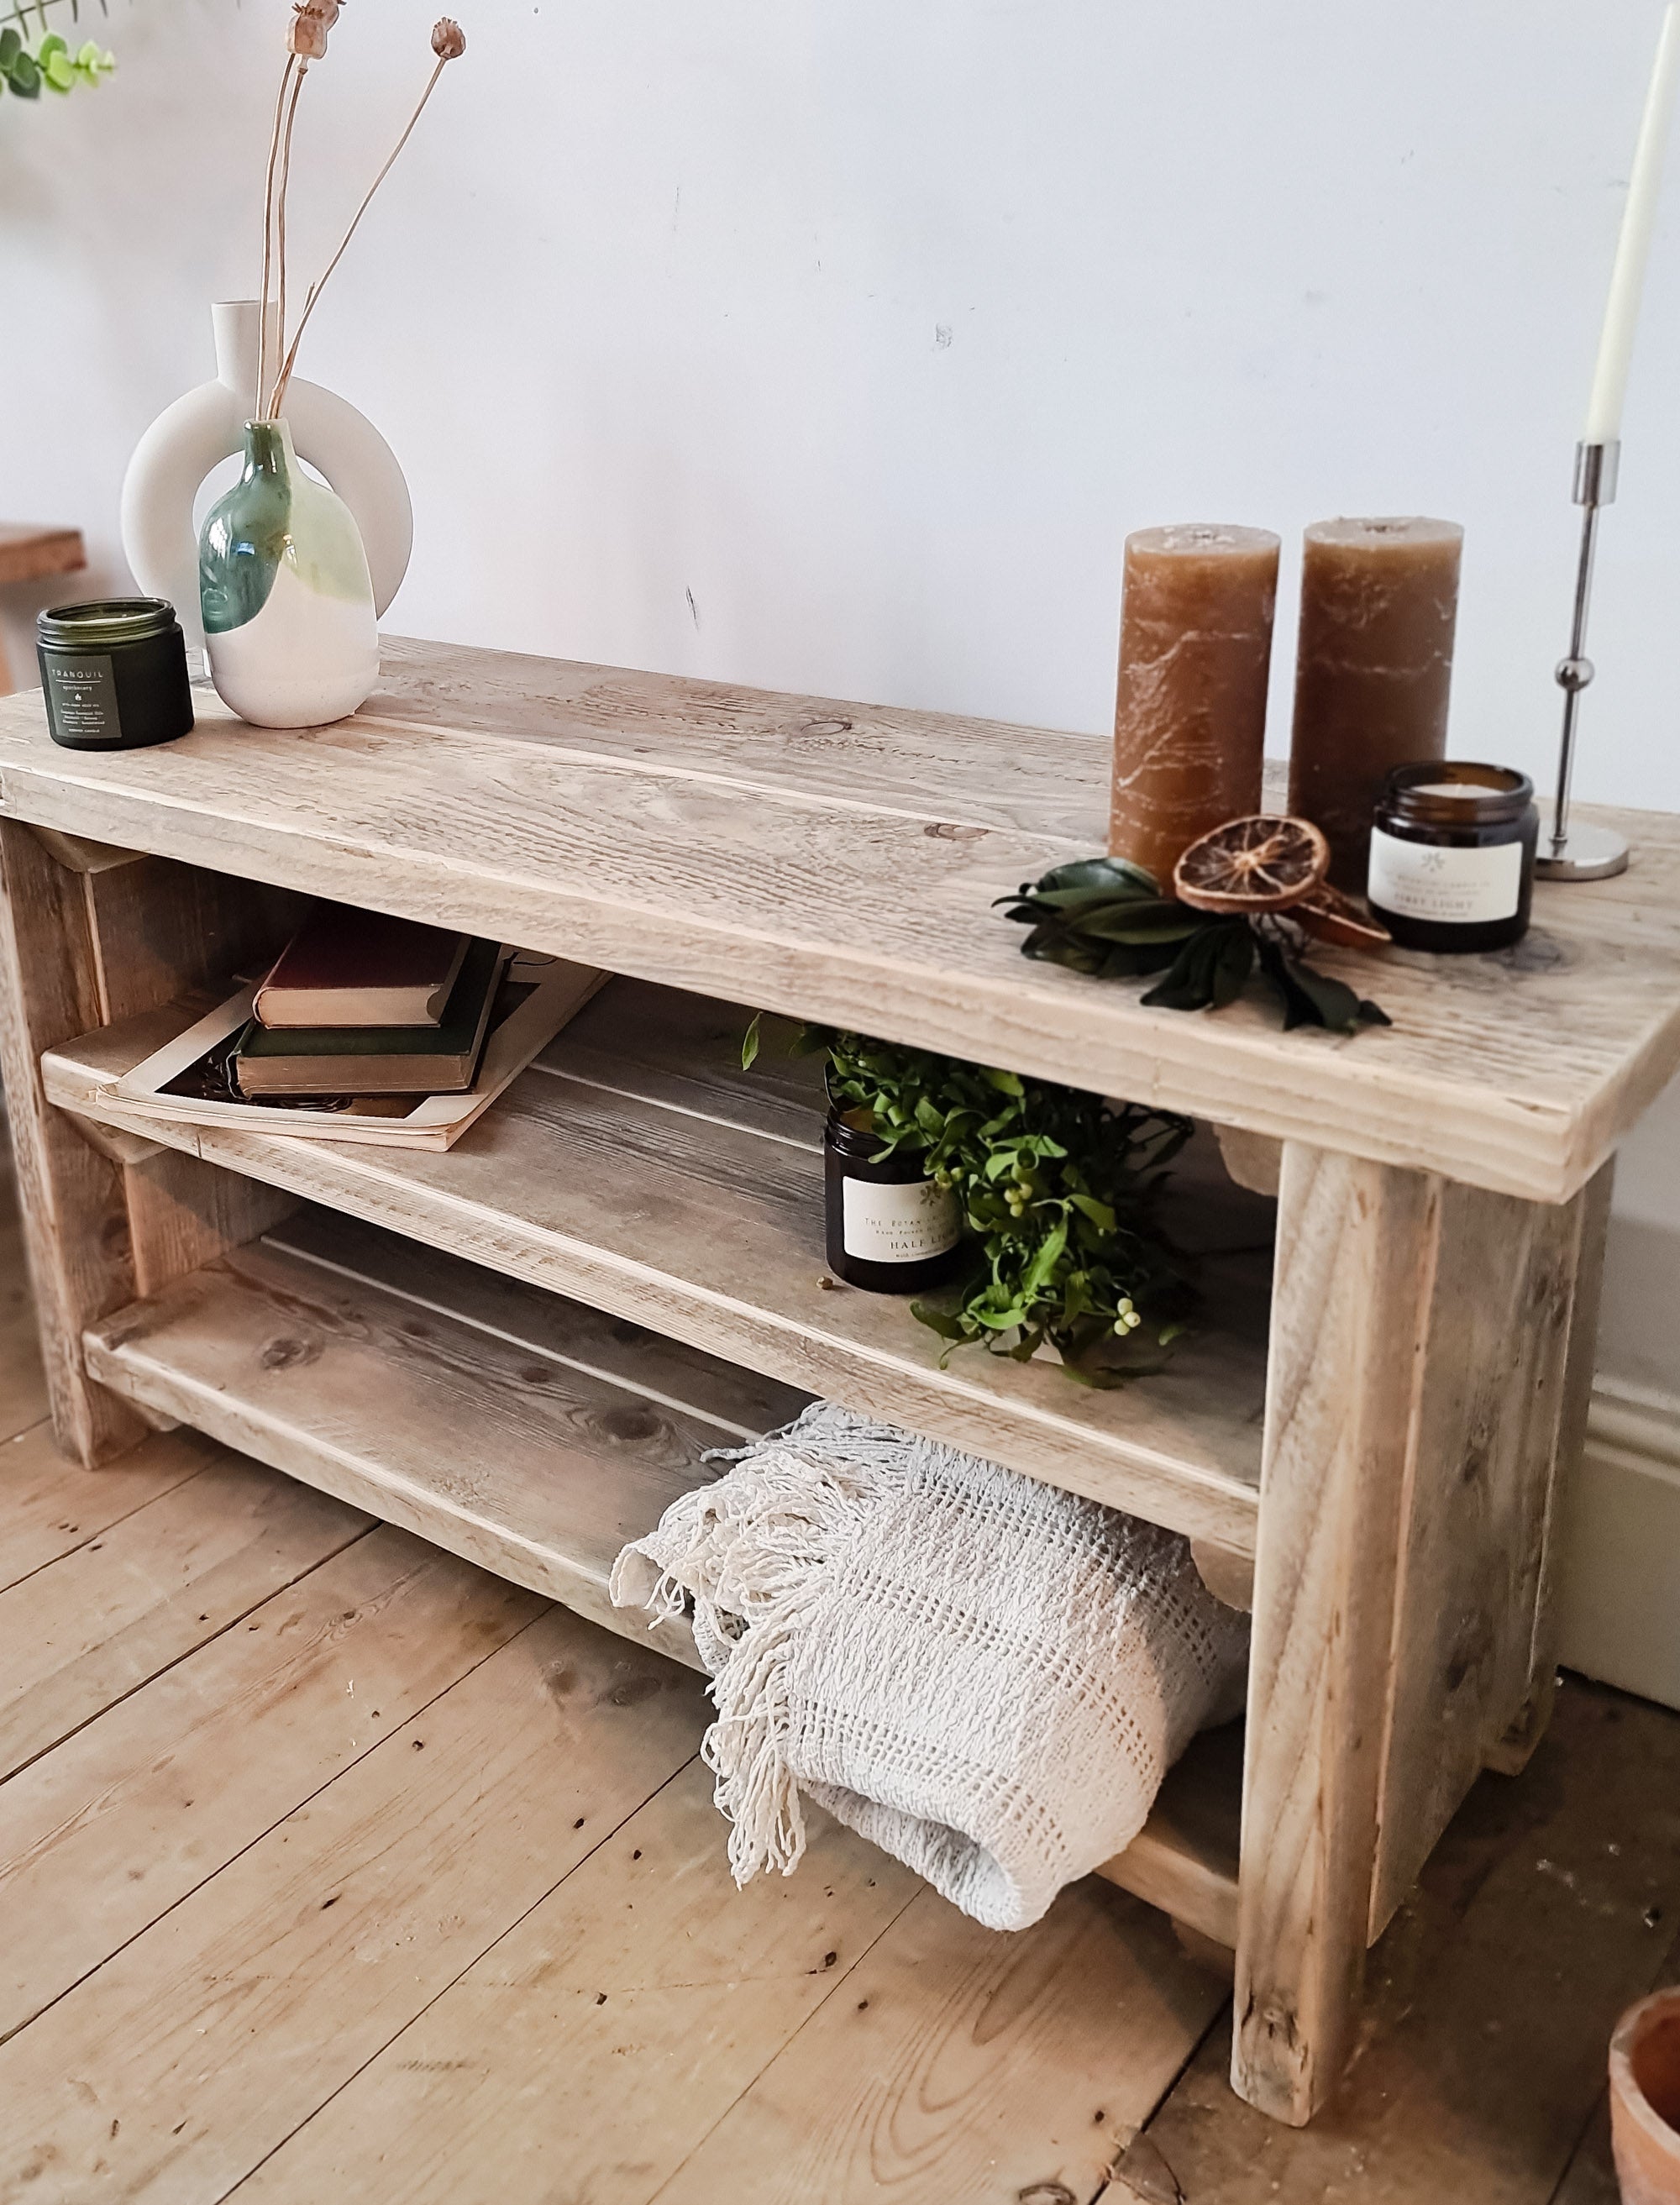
115 673
891 1228
1453 856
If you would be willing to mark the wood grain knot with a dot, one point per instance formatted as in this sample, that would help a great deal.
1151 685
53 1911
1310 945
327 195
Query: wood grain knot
827 728
288 1353
943 830
632 1425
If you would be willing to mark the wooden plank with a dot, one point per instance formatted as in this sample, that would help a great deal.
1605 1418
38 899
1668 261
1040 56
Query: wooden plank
537 1464
82 1633
1357 1250
101 1836
111 944
633 2006
1519 1072
77 1222
1486 1436
1547 1907
993 774
23 1388
1420 1404
82 856
1590 2177
49 1507
960 2064
1185 1860
161 931
739 1404
1511 1751
29 552
172 2070
685 1208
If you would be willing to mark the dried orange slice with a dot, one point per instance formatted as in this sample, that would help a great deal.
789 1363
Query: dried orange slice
1260 863
1330 916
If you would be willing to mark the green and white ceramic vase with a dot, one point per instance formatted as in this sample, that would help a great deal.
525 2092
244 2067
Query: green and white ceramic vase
283 587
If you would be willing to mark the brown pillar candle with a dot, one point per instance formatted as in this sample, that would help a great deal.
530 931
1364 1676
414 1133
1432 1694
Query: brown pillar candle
1189 717
1378 605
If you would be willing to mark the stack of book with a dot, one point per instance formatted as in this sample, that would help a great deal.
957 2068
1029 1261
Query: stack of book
366 1028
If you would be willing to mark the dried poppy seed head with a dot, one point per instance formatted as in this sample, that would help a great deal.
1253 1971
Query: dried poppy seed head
448 40
306 32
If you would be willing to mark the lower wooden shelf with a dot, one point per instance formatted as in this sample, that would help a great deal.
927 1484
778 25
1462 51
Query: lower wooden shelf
531 1435
635 1167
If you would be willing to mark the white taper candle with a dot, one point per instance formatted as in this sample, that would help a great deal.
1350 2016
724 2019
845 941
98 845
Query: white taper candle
1609 380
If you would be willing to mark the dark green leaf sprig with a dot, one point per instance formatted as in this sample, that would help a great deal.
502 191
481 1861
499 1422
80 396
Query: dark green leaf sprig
1060 1191
1107 917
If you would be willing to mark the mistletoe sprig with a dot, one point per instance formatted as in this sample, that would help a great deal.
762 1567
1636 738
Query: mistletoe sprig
1059 1190
1108 917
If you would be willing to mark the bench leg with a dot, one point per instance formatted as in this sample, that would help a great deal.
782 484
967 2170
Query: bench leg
85 940
1418 1405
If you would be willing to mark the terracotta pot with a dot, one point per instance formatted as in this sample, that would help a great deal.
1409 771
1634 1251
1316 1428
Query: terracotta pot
1645 2100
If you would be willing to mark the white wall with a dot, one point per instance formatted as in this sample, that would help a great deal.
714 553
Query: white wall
837 347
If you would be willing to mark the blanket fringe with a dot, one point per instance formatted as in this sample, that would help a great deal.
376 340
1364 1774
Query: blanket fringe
753 1549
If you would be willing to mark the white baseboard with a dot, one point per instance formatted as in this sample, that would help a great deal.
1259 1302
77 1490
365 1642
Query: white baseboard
1619 1551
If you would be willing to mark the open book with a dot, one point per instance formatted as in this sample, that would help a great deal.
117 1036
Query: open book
190 1080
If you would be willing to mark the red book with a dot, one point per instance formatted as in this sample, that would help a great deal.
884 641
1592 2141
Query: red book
345 967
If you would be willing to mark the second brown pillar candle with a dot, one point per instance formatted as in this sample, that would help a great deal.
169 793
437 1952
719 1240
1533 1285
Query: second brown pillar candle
1189 716
1379 607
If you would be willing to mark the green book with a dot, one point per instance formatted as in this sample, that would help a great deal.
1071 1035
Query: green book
440 1060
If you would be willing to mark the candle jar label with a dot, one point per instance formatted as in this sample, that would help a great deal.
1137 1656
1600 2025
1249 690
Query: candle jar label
903 1223
1450 886
82 698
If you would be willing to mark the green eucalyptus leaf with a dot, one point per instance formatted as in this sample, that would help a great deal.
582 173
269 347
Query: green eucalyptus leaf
11 45
1113 873
1141 923
25 78
1233 965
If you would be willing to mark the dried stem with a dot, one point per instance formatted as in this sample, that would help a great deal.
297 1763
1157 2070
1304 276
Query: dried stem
319 285
280 225
268 229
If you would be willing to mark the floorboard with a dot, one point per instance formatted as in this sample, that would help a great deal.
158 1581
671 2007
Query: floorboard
84 1632
1548 1906
337 1869
958 2064
181 2065
101 1836
50 1507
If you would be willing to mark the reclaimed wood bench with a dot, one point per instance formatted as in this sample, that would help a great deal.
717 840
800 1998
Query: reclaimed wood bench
522 1349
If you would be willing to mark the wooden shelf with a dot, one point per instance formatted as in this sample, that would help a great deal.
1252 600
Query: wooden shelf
529 1434
638 1169
840 861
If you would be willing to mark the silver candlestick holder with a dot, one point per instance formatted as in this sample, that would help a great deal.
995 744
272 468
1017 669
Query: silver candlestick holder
1570 851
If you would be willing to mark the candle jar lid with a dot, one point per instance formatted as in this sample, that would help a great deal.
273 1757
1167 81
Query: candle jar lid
103 622
1455 792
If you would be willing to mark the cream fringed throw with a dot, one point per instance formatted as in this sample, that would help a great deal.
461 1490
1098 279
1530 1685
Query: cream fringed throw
986 1677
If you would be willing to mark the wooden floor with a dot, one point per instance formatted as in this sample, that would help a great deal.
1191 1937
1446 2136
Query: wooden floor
332 1869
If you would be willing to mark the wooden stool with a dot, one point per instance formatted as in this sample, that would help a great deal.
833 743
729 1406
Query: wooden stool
26 553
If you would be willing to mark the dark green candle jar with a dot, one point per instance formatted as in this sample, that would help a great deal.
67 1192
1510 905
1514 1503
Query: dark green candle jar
115 673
